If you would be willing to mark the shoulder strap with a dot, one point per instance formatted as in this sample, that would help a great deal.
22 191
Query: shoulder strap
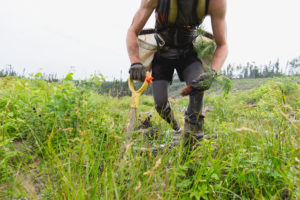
173 10
201 10
202 7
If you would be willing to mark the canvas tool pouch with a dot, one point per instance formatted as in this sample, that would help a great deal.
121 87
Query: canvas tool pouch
149 43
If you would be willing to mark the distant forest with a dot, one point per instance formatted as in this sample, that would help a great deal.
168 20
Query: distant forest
119 87
252 70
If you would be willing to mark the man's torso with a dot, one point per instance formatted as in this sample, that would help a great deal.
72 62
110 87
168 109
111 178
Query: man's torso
178 37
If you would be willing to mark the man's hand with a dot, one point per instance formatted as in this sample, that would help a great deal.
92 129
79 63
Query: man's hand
137 72
204 81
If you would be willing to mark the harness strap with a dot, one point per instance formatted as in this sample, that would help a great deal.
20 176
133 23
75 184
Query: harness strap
173 10
201 10
147 31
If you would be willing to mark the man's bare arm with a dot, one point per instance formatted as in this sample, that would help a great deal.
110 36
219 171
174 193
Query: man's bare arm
217 11
139 21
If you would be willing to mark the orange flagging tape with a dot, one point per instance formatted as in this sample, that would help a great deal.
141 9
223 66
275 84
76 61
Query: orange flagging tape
149 79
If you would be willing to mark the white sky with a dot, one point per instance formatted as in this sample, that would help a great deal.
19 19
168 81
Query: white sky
89 35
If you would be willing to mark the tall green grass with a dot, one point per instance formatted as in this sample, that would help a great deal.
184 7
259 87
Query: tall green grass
64 141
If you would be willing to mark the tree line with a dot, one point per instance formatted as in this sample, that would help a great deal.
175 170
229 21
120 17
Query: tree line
272 69
119 87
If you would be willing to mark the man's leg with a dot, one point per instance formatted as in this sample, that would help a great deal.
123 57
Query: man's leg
162 105
194 120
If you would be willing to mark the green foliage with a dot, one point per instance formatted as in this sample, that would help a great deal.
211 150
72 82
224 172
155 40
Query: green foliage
97 79
62 140
205 48
69 77
225 83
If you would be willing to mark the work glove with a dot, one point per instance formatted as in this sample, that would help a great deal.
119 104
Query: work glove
137 72
204 80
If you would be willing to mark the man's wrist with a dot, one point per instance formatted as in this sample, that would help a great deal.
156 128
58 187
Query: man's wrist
136 63
135 60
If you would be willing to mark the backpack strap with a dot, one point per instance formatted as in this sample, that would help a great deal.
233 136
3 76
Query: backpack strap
173 10
201 9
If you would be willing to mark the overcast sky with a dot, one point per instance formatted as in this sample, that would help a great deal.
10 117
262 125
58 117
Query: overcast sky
87 36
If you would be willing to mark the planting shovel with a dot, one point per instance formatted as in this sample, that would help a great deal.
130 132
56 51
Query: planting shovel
135 99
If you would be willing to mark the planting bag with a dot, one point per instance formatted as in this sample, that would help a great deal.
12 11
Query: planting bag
148 47
205 47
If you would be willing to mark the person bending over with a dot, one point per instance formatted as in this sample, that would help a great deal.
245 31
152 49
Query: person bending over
176 23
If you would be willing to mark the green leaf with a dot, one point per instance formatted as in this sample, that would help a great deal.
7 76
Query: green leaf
38 75
215 177
184 184
69 77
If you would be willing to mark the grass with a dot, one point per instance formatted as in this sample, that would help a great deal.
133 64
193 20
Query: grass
61 141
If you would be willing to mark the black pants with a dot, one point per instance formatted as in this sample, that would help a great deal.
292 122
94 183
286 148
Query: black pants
188 67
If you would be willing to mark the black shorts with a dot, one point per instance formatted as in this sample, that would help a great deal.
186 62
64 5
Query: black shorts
163 69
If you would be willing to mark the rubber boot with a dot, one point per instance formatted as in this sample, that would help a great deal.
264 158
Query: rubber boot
193 129
167 114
